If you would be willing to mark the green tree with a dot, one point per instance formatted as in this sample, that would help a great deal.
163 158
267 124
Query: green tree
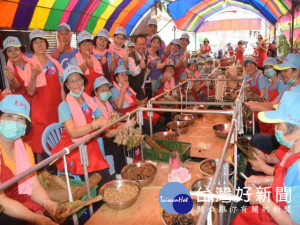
283 46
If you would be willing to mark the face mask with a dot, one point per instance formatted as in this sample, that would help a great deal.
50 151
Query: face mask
279 137
290 82
270 73
79 94
12 130
208 67
200 67
105 95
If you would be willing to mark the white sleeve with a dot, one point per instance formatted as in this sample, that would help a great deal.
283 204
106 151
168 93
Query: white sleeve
134 69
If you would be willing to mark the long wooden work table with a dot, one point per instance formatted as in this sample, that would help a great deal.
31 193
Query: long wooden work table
146 210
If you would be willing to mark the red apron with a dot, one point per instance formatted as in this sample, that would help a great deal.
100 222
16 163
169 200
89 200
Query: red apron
23 90
44 108
12 191
96 160
269 128
133 106
89 87
112 75
205 49
262 216
262 55
177 71
239 57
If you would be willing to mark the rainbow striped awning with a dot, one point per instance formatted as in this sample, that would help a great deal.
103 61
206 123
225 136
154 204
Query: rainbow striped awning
89 15
190 15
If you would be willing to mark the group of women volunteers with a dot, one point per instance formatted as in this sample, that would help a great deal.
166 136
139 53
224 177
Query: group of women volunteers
84 88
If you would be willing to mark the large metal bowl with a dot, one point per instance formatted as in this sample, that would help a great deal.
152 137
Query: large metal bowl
190 118
201 164
179 127
117 184
125 172
197 107
221 130
166 135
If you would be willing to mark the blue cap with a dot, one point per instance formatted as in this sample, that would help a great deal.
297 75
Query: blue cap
176 42
103 33
63 26
249 59
292 61
15 104
120 30
170 64
194 53
209 59
270 61
100 81
287 111
11 42
155 36
152 21
192 61
69 70
200 60
37 33
130 44
186 36
84 35
121 69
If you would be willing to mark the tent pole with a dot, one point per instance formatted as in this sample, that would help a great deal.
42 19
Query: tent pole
292 29
195 41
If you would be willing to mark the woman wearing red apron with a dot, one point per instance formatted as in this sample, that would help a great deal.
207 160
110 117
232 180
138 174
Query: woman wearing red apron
273 94
15 66
24 199
175 57
89 65
194 86
283 206
102 96
77 115
240 53
205 48
116 48
258 82
262 51
109 61
123 97
42 74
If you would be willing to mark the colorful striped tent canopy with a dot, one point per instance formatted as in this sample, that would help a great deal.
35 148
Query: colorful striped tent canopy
89 15
190 15
285 24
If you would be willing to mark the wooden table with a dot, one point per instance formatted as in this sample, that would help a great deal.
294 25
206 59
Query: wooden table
201 131
146 210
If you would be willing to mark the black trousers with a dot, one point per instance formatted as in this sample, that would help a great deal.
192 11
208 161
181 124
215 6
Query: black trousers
116 151
106 177
7 220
